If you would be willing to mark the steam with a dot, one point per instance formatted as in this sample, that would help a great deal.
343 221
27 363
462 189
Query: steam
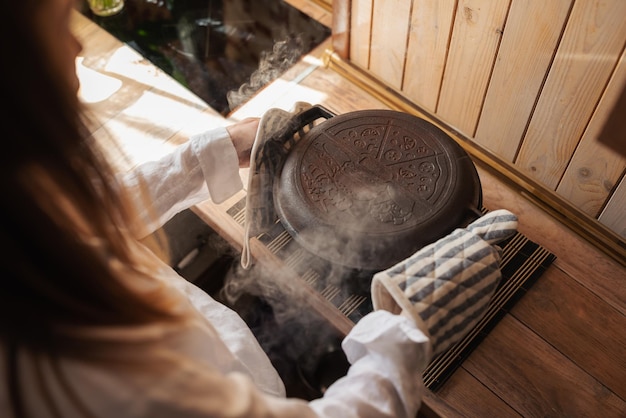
275 305
274 301
271 65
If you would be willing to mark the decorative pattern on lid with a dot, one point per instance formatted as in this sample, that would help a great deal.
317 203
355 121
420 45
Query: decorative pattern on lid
368 188
381 173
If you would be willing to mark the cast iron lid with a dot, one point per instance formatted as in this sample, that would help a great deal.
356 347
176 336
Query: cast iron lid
367 189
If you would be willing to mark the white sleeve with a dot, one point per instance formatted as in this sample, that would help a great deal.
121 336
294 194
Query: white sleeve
387 352
204 167
388 355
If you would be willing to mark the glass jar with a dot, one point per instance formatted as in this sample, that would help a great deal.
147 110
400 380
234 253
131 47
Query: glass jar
106 7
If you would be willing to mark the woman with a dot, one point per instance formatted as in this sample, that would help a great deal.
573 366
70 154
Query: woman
95 325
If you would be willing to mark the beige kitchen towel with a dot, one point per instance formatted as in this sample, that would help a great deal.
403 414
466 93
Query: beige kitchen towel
446 286
269 151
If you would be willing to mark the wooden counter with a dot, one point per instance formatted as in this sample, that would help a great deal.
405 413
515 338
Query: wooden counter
559 352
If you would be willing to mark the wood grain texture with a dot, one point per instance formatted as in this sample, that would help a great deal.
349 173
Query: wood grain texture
345 96
579 259
591 46
477 30
390 27
539 382
574 314
614 132
341 29
614 214
88 33
478 402
429 37
595 169
533 29
361 32
434 406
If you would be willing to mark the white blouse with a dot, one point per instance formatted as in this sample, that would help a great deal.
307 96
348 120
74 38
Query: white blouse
212 366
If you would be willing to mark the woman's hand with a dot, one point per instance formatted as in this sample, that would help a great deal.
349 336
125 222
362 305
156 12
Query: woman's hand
242 134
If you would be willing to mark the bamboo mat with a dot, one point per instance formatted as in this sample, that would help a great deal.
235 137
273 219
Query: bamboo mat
523 262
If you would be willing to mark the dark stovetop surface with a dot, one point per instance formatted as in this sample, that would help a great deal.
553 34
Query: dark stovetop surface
222 50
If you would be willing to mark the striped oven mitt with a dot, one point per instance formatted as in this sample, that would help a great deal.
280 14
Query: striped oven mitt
446 286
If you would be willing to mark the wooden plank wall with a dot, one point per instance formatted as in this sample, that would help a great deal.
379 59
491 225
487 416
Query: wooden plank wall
531 81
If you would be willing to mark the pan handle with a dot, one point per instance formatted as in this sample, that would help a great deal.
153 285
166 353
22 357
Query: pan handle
300 123
310 115
268 156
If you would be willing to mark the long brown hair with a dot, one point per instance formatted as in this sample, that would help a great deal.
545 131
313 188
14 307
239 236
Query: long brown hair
62 218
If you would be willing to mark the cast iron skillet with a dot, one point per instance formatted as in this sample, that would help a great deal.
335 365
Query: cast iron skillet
366 189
